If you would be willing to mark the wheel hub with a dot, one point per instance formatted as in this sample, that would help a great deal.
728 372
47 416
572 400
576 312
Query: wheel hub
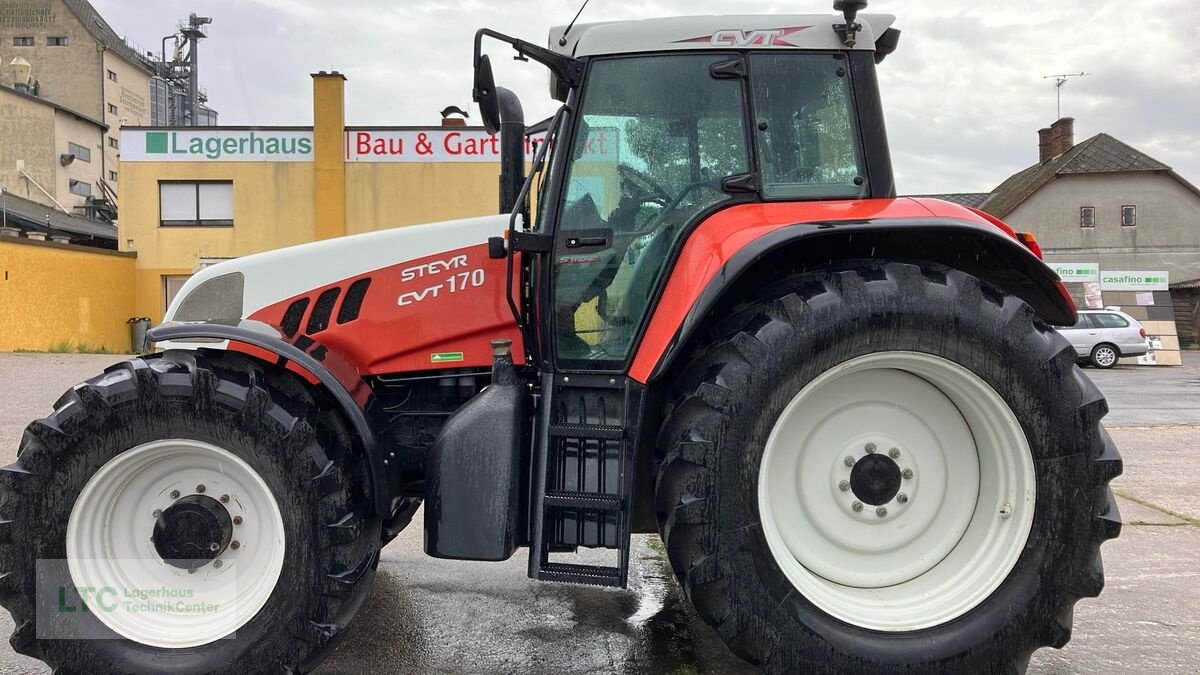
192 532
875 479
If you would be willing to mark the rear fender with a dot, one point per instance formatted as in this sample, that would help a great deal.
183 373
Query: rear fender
326 368
980 249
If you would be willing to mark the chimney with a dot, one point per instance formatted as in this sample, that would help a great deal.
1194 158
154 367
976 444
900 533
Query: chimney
453 122
1045 154
1062 136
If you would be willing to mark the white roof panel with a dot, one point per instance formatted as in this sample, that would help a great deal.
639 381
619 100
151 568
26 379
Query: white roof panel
776 31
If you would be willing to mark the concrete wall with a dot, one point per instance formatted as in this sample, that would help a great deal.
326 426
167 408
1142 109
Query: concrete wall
68 129
1166 237
70 76
27 131
131 95
272 208
52 294
38 133
382 195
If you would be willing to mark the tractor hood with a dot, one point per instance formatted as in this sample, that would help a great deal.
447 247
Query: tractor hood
235 289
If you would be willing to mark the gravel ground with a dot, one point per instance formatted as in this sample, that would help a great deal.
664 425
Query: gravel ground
436 616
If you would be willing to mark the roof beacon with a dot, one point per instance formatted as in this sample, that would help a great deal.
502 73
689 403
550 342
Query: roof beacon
849 9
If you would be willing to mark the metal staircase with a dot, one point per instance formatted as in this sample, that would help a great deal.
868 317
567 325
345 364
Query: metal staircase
583 475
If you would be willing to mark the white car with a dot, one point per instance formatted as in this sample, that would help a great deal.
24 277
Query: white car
1101 336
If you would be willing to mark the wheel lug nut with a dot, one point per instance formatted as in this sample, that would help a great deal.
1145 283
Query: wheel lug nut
881 512
200 488
894 453
214 547
237 520
224 499
235 545
849 461
174 494
157 513
902 498
870 448
844 485
217 564
908 474
857 506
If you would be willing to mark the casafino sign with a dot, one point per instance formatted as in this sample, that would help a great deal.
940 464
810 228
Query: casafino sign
456 145
216 145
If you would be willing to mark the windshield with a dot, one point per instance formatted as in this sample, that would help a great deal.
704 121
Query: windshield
656 136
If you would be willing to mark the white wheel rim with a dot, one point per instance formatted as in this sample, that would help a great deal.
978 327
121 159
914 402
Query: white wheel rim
1105 356
968 492
109 544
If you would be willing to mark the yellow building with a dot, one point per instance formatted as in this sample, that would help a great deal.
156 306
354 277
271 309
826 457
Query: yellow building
197 195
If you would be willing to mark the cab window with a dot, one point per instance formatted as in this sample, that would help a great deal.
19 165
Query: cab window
657 134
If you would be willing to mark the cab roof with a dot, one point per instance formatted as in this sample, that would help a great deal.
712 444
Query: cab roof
736 31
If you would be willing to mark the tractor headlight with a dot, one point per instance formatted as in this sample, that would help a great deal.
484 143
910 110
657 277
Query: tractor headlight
218 300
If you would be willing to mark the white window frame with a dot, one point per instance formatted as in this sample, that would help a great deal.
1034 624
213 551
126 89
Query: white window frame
213 206
1132 213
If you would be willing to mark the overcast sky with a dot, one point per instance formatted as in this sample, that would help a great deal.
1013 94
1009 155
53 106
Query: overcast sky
964 94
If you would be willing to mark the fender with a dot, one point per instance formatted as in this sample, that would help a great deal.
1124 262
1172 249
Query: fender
724 250
337 375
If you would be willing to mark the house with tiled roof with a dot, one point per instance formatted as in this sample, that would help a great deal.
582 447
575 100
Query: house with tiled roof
1105 202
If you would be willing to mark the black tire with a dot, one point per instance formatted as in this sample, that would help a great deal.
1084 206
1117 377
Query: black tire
267 417
1104 356
750 366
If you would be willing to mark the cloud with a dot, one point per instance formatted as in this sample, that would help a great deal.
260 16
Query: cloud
964 95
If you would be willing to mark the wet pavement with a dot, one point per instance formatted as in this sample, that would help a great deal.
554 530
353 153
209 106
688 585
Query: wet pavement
437 616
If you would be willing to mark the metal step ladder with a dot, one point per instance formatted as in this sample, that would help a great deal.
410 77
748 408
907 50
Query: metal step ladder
583 475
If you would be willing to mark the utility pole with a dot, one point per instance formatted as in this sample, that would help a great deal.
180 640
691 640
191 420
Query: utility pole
1059 81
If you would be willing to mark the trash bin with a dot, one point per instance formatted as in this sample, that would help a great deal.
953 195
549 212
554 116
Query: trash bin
138 325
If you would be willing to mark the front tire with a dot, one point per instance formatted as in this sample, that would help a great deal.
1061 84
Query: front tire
132 479
933 385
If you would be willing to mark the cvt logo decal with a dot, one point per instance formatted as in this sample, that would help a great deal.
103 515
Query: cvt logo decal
755 37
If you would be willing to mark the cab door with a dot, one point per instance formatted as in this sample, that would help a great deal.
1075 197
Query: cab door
656 138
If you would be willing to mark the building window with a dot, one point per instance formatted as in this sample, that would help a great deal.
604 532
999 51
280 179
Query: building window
23 41
56 41
112 175
1128 216
112 109
81 153
207 204
112 75
81 188
112 143
171 287
1087 216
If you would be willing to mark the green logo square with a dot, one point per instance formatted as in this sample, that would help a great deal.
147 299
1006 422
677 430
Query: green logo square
156 142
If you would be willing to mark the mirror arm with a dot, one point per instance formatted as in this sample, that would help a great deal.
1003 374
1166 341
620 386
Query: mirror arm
567 69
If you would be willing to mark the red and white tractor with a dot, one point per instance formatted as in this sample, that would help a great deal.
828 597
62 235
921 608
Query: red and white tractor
846 413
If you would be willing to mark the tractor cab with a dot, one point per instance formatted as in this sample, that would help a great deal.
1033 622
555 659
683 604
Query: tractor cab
665 122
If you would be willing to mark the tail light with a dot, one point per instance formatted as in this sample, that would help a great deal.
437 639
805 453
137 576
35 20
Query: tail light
1142 332
1030 242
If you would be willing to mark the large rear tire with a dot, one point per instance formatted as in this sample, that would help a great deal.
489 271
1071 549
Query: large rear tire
135 471
886 467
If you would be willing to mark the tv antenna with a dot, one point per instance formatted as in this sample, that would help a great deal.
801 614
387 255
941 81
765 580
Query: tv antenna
1059 81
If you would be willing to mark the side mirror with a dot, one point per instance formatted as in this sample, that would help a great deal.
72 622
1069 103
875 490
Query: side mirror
485 95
